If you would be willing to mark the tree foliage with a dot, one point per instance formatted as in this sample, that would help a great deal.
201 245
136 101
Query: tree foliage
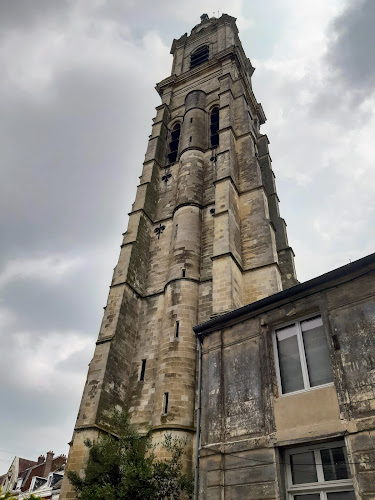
9 496
126 468
6 496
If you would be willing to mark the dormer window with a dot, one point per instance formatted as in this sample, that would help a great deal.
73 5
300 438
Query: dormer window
37 482
199 56
54 478
214 127
173 145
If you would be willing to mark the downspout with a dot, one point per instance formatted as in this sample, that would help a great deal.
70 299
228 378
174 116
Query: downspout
196 471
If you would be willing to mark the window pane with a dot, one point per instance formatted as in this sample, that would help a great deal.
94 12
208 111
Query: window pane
289 360
316 349
334 464
303 468
314 496
342 495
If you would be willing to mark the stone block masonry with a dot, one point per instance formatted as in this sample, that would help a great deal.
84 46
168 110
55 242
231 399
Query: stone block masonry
202 239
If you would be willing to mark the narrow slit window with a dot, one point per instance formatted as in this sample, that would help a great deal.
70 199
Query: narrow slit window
214 127
184 273
190 139
174 142
191 120
177 329
199 56
143 370
165 402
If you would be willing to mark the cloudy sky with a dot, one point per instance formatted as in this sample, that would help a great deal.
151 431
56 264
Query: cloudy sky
77 98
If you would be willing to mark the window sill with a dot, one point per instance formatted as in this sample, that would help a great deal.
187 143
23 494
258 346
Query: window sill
337 485
302 391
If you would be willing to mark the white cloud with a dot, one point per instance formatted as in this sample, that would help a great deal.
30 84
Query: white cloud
42 378
33 59
41 358
321 143
49 268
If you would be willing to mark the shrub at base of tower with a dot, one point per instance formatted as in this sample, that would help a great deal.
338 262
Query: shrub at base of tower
125 467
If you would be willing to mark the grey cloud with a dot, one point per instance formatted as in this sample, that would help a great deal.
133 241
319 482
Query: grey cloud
351 50
25 14
70 169
49 414
54 306
147 15
348 69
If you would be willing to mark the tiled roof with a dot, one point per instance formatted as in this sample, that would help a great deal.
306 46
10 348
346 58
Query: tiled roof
39 470
25 464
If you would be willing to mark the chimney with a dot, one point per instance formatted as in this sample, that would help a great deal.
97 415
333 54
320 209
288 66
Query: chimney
48 466
41 459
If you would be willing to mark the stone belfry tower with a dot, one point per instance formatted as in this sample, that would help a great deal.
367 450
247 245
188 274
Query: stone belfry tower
204 237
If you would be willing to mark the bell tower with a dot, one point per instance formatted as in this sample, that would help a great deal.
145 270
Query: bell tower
204 237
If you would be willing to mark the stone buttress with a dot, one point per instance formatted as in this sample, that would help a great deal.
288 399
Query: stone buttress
204 237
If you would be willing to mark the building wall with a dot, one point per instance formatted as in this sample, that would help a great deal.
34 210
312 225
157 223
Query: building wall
247 426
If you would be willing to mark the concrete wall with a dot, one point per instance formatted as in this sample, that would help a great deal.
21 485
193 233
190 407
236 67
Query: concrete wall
244 415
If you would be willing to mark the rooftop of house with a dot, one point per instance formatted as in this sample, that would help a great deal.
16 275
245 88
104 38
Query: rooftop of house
27 469
42 468
24 463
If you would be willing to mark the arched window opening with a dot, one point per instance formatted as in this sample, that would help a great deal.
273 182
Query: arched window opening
173 145
214 128
199 56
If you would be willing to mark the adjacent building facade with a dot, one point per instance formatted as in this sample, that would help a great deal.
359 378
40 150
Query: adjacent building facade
41 477
288 393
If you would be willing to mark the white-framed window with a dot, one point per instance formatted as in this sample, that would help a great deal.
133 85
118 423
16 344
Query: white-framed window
53 478
301 356
318 472
37 482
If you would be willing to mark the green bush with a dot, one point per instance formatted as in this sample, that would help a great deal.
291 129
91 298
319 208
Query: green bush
125 467
9 496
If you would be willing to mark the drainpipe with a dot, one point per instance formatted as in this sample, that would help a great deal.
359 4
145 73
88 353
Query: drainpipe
196 472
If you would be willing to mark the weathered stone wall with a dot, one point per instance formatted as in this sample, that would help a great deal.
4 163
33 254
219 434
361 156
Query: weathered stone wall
285 252
244 415
199 242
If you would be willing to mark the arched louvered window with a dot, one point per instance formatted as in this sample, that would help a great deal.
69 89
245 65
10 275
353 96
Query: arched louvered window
214 127
173 145
199 56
